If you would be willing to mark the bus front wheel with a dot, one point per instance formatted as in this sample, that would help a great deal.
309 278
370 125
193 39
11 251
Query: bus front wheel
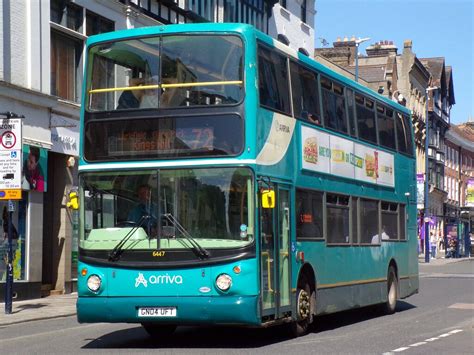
159 331
303 310
392 291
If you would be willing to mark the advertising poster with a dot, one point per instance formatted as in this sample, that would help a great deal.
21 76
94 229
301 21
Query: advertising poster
316 150
420 191
35 168
470 193
330 154
385 171
341 150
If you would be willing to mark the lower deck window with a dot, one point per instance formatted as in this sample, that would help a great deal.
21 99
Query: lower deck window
337 208
369 222
309 214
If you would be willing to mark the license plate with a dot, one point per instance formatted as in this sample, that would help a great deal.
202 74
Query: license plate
157 312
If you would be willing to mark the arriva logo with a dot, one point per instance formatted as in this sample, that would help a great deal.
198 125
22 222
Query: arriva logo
141 280
158 279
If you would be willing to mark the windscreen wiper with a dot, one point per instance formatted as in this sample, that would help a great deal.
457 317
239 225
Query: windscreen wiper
116 252
201 252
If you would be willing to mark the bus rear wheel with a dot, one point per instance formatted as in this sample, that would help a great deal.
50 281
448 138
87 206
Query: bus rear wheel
392 291
303 310
159 331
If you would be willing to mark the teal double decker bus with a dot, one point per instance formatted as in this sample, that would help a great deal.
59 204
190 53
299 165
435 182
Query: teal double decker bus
227 179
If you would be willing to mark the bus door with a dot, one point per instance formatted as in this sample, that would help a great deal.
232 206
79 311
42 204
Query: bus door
275 251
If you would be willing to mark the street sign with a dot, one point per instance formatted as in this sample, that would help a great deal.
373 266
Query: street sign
10 159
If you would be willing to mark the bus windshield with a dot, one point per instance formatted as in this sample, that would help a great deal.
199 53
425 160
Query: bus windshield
163 209
165 72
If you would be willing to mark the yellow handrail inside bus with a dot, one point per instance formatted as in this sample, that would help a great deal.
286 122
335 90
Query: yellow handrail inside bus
269 274
165 86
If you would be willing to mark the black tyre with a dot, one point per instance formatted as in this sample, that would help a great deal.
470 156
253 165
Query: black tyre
392 291
159 331
303 310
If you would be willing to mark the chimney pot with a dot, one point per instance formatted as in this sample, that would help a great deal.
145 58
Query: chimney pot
407 43
345 39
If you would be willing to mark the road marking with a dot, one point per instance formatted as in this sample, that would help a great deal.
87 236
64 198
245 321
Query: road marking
49 333
462 306
400 349
424 342
444 335
417 344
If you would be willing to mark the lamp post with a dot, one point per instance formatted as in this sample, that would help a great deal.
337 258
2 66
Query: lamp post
358 42
427 186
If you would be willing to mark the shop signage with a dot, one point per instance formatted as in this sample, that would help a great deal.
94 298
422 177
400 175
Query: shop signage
65 135
10 159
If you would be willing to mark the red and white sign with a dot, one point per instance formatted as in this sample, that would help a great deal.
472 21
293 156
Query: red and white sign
8 140
10 158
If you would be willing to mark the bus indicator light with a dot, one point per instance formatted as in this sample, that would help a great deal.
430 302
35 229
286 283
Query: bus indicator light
84 272
236 269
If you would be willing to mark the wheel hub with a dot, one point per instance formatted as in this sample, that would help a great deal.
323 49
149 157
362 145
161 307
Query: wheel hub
304 307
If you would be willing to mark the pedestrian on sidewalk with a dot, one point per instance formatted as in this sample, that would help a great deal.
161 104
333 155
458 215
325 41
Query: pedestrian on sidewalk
433 242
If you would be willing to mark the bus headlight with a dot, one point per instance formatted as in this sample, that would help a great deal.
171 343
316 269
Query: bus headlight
94 282
223 282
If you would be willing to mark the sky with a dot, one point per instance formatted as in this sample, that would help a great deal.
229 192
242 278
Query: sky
438 28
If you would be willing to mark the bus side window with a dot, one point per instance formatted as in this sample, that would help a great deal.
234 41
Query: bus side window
273 80
304 86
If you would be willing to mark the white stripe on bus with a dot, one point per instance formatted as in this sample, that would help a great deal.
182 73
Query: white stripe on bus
164 164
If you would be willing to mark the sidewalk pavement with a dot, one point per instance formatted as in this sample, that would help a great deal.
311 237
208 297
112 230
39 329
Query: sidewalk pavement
65 305
39 309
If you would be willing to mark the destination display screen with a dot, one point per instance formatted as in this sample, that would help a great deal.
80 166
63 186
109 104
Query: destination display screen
160 138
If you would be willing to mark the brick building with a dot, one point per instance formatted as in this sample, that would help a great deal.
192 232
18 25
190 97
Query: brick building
459 175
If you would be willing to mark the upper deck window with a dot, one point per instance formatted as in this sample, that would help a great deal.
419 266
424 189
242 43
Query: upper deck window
333 105
165 72
386 126
366 118
304 85
273 80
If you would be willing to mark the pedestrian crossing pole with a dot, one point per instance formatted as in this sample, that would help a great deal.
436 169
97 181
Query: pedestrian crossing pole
9 281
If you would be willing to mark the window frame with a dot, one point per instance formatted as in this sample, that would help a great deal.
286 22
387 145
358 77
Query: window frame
339 206
261 45
318 114
310 192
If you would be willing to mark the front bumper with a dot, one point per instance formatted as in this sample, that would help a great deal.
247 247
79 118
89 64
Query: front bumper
238 310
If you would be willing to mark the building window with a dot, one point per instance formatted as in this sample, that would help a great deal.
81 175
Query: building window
283 3
66 54
67 48
67 14
303 11
96 24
